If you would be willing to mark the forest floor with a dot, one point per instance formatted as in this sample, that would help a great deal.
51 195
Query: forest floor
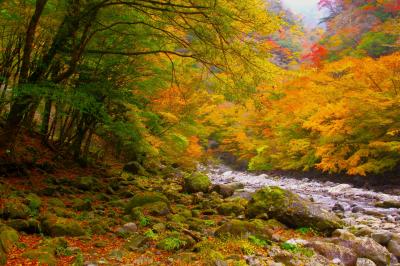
54 212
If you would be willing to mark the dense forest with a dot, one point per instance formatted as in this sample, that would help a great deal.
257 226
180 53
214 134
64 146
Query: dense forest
110 109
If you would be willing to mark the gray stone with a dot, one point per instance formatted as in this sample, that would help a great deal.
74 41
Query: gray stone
365 262
332 251
364 231
130 227
367 248
343 234
394 246
338 207
382 237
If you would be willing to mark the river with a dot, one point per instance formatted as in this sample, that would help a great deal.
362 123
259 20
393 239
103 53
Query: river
357 204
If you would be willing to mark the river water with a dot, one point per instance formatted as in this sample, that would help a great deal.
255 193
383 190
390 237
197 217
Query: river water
358 203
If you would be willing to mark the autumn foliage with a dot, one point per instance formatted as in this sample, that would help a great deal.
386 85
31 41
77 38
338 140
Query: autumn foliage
343 117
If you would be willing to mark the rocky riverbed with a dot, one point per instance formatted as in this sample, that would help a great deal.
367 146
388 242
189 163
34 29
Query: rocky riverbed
357 206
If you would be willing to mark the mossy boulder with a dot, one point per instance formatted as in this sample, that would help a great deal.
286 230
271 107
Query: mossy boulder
47 251
144 198
230 208
56 202
292 210
44 256
136 241
244 229
86 183
8 238
197 182
62 212
25 225
82 204
158 208
135 168
34 202
388 204
57 226
15 209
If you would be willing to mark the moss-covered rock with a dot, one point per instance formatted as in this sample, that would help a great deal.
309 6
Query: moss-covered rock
25 225
135 242
34 201
8 238
44 256
144 198
230 208
47 251
86 183
134 168
57 226
244 229
197 182
56 202
388 204
292 210
158 208
15 209
82 204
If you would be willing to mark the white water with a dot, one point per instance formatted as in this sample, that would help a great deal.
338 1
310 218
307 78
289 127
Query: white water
326 194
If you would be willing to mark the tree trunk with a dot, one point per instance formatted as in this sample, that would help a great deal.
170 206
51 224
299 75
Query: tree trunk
18 109
46 120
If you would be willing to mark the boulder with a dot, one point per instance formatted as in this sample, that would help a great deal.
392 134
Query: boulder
8 238
356 209
364 231
28 226
368 248
197 182
382 237
227 190
82 204
135 242
332 251
292 210
15 209
365 262
244 229
388 204
86 183
127 229
57 226
230 208
56 202
34 201
144 198
394 245
134 168
158 208
45 254
338 207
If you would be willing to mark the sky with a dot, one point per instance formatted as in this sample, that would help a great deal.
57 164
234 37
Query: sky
307 8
